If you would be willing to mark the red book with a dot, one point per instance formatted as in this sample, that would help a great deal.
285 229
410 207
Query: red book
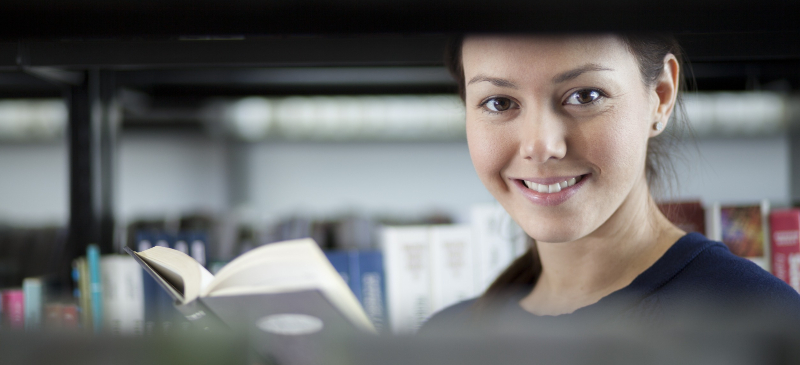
14 308
70 316
688 216
785 230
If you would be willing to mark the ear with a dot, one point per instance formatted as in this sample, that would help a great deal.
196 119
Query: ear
665 93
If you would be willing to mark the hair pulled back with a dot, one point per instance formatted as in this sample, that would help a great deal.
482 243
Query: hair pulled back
649 50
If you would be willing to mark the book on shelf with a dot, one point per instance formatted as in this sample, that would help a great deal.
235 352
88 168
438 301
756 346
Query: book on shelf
13 304
498 241
743 228
452 259
123 295
407 255
363 271
285 295
33 291
689 216
785 232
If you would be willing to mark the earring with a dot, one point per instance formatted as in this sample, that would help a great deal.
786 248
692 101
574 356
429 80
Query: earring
658 126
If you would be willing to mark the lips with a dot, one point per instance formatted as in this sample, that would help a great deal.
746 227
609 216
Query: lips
551 191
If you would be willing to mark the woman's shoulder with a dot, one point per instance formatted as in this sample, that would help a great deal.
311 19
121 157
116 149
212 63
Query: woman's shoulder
446 319
713 270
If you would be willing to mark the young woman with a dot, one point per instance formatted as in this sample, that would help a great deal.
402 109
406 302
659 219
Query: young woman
564 131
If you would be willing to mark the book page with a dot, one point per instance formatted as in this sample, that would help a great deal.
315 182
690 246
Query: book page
185 274
284 267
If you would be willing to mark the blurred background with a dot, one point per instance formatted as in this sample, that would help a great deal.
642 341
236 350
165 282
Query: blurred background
257 122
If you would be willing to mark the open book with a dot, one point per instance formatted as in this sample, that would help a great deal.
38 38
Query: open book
287 289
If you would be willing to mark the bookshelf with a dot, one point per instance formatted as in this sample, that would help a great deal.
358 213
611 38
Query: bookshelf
175 72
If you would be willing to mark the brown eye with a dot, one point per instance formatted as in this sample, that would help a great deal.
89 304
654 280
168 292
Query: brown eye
499 104
582 97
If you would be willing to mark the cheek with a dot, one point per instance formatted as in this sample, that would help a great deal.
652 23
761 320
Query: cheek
491 149
620 146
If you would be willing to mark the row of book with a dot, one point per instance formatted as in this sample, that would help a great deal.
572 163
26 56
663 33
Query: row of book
33 308
417 270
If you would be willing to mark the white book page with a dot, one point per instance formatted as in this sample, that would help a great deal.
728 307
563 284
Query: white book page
180 269
285 267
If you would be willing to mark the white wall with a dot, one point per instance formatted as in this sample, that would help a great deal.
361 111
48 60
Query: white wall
401 178
736 170
171 173
34 182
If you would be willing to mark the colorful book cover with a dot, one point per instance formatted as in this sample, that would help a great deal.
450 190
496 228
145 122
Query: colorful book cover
785 232
688 216
742 230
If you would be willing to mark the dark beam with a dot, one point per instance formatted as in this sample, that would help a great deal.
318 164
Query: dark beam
131 18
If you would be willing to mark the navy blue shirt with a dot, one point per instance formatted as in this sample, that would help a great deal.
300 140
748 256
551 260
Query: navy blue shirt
694 272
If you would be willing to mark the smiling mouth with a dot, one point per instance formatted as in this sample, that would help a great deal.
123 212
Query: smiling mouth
552 188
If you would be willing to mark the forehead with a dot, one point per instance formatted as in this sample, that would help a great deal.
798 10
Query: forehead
520 56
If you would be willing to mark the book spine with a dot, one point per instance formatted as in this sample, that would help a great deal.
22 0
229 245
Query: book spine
785 252
13 309
341 262
85 294
95 288
453 278
354 267
198 246
373 287
32 287
408 279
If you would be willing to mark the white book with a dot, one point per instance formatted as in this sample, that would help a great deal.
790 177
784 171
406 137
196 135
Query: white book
498 241
123 295
453 268
407 263
34 302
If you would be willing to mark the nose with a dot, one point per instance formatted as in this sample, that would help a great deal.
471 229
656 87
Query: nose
542 136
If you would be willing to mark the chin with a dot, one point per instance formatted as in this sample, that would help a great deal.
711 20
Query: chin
557 235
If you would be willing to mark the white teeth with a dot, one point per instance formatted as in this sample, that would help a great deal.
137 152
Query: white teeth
552 188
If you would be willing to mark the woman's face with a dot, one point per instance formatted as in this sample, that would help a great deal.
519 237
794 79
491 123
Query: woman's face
558 129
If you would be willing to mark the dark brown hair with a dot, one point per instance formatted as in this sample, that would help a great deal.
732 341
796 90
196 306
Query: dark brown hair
649 51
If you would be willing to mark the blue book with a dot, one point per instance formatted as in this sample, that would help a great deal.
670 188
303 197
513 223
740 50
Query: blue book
373 287
341 262
198 246
95 288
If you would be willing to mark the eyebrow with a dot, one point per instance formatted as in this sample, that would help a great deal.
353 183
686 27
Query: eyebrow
562 77
494 80
571 74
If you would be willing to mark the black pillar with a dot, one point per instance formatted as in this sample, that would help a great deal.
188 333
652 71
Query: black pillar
92 136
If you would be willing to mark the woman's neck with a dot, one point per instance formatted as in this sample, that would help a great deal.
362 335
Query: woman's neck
579 273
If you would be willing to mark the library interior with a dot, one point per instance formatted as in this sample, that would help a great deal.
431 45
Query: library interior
290 183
